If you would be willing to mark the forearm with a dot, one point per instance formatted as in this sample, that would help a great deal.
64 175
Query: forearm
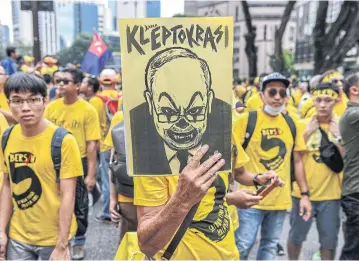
91 159
244 177
113 192
65 218
5 205
300 177
9 118
307 134
155 232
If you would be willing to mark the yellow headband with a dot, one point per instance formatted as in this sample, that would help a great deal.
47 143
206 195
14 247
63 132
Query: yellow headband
331 76
325 92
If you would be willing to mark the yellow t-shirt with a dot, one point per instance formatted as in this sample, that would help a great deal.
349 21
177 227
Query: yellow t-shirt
297 95
80 118
25 68
323 183
212 235
110 93
270 148
36 195
120 101
49 70
3 126
3 102
307 110
98 104
116 119
254 102
341 106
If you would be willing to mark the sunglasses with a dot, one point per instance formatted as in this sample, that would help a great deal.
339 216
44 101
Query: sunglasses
273 92
65 81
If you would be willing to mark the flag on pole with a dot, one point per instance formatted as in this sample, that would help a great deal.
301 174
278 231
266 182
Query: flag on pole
96 57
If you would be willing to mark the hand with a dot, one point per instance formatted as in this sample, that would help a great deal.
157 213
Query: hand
3 243
334 128
305 206
244 198
270 175
196 178
60 253
313 125
115 216
90 183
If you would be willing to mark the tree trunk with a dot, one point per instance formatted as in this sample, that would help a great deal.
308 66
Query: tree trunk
250 49
278 50
330 50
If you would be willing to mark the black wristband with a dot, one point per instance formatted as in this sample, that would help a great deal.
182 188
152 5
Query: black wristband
255 180
306 193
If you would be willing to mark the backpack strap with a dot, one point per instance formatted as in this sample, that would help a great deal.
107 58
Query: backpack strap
56 143
251 125
291 125
5 138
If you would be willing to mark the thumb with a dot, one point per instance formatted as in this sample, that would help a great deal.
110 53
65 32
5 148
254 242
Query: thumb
248 191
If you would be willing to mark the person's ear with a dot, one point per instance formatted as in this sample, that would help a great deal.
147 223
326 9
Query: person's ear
354 90
148 98
210 100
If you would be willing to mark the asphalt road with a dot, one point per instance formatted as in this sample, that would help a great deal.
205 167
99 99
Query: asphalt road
102 240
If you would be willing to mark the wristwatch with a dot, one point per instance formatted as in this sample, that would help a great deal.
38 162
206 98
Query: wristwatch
255 180
339 140
306 193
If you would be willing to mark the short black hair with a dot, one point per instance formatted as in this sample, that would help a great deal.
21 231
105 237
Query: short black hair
10 50
94 83
25 82
77 75
351 80
47 78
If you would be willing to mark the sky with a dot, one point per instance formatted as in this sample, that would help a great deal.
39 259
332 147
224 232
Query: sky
168 9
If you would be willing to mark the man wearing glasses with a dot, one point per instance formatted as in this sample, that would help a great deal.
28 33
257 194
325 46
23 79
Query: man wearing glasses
179 115
269 143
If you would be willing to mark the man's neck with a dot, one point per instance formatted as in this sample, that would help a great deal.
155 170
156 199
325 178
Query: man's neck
31 131
1 88
70 99
324 119
111 88
354 100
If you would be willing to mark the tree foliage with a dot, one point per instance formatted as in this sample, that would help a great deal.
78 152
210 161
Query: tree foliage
333 41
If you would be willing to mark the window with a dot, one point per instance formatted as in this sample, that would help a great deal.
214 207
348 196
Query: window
237 11
236 50
265 33
236 38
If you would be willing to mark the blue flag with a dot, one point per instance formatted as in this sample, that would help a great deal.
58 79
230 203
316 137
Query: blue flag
96 57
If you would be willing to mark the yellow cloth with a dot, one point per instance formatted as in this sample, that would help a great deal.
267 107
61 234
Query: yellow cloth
341 106
3 126
270 149
327 92
3 102
35 219
323 183
129 249
110 93
80 118
234 216
307 110
25 68
124 199
120 102
254 102
116 119
98 104
195 245
49 70
297 95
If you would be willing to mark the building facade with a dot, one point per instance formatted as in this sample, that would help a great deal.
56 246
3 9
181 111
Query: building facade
153 8
65 24
4 35
85 18
266 17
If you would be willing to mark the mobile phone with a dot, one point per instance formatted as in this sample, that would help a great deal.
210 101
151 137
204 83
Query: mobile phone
266 188
118 209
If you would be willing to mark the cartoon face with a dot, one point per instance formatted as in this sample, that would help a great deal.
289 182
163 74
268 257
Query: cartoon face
180 104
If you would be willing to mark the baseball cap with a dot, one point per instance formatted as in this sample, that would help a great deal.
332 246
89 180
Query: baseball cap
274 77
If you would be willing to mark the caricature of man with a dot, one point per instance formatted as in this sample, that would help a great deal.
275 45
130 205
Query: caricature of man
181 113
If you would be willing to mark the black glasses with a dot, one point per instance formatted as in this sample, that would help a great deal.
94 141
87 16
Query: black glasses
65 81
273 92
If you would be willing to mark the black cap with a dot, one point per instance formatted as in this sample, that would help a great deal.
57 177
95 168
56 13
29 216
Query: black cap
274 77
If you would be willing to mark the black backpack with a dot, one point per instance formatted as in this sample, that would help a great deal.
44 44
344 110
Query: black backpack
81 198
252 120
123 182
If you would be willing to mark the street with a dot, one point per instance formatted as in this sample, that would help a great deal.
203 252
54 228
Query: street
102 240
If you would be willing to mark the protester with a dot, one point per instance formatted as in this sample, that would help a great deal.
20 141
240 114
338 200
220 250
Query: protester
89 88
324 183
269 137
349 129
108 79
54 91
9 63
42 214
81 119
49 66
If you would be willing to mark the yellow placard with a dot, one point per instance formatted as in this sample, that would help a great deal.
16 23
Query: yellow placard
177 81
